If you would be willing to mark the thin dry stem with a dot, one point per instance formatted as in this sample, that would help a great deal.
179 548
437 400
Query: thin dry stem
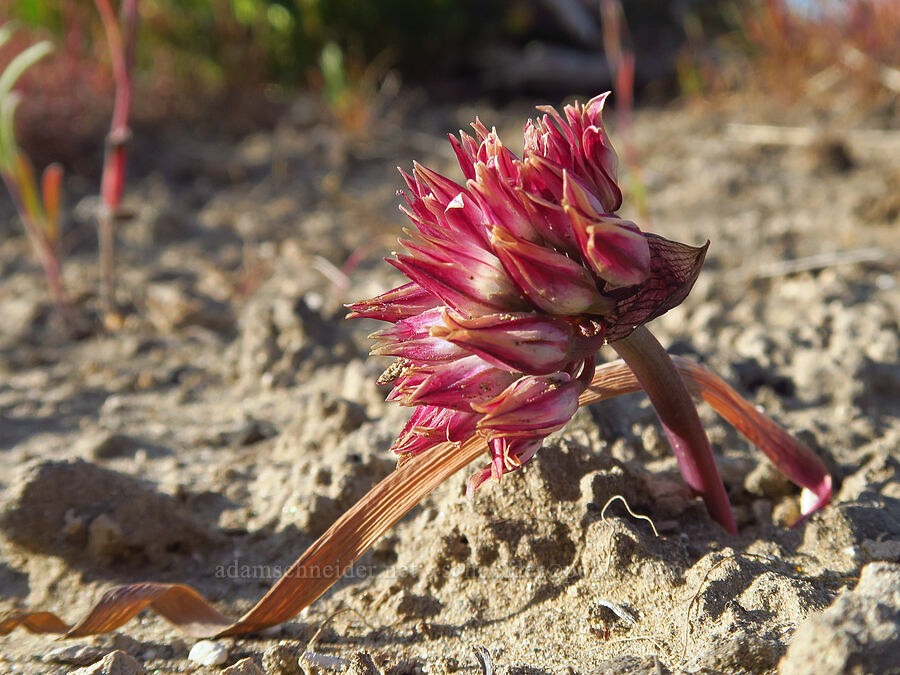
627 508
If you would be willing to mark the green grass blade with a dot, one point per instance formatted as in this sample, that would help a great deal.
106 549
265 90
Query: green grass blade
20 64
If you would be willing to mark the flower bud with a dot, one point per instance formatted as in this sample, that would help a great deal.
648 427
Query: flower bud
532 406
552 282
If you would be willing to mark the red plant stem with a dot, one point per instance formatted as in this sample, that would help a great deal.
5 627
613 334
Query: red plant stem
121 52
48 259
800 464
659 377
621 59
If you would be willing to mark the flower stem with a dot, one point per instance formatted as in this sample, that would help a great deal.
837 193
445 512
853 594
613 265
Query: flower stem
660 379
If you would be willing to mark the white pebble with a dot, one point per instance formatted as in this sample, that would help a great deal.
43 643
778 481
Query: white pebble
208 653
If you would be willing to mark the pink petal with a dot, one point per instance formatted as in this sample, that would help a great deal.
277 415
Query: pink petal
552 282
411 339
441 187
458 384
527 343
465 148
500 203
429 426
398 303
532 406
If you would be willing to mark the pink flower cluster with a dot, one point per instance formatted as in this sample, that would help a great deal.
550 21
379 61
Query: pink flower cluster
517 278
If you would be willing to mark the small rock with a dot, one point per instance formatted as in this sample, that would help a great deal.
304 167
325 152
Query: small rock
653 442
847 524
742 653
75 655
830 155
764 480
209 653
361 664
858 633
104 537
114 663
282 659
108 446
409 605
244 667
629 664
786 512
179 649
888 551
78 510
171 307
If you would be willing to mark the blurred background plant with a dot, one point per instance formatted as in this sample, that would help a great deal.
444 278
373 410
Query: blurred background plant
796 49
38 209
190 50
121 36
348 59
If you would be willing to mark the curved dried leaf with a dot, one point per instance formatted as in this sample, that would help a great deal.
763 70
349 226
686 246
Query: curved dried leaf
312 574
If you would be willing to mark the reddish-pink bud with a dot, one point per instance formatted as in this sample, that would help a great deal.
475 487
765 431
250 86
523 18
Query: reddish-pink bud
532 406
616 250
579 144
398 303
455 384
527 343
552 282
411 339
466 150
430 425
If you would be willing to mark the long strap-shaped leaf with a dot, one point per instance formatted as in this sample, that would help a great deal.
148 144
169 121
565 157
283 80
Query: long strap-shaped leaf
800 464
360 527
312 574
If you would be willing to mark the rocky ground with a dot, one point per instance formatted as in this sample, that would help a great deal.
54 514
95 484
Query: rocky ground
234 415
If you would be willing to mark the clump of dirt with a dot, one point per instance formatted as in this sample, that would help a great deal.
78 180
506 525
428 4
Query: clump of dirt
858 633
92 516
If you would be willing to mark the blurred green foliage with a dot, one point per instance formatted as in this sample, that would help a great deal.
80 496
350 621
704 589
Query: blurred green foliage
223 42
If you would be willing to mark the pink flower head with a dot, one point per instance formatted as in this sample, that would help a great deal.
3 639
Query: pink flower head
518 276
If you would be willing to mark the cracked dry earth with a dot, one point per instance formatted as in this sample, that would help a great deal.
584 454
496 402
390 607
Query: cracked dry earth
235 415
